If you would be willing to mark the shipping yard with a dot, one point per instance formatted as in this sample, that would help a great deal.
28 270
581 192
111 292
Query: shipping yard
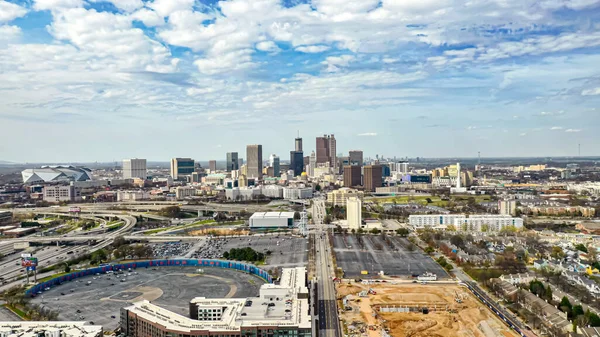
415 310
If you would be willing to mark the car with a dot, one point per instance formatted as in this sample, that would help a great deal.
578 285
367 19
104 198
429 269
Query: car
243 314
78 311
63 294
113 316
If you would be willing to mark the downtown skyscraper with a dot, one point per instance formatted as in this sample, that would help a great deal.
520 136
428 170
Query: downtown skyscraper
232 162
254 161
326 151
297 158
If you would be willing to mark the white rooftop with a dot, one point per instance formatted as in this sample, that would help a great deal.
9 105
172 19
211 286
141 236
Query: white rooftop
263 215
66 329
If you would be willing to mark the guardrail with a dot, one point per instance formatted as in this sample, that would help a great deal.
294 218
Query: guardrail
239 266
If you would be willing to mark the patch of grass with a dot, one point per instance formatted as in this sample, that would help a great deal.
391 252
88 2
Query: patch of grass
17 311
50 277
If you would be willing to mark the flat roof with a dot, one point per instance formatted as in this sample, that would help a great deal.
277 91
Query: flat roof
272 215
24 328
20 230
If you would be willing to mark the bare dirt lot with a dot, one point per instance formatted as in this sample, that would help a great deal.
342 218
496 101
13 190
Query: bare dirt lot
446 317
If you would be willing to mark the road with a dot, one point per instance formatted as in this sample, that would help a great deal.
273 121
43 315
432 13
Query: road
328 320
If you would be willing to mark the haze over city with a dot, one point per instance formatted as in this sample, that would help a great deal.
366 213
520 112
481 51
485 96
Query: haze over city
104 80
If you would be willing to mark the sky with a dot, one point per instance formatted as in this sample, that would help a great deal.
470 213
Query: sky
95 80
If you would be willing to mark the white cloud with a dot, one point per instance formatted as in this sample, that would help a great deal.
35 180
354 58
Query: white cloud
591 92
556 128
312 49
228 62
333 7
9 33
268 46
165 8
333 63
10 11
523 134
573 130
390 60
149 17
367 134
41 5
551 113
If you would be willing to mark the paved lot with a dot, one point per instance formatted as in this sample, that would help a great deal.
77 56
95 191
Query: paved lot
375 255
169 287
291 251
7 315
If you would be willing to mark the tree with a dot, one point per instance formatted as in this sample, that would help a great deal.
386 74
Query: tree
557 252
577 310
451 228
429 250
353 231
318 188
581 247
565 306
548 294
592 254
429 200
375 231
67 268
296 215
402 232
220 217
170 212
327 219
457 240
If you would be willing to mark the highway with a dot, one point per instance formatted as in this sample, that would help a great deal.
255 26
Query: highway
328 320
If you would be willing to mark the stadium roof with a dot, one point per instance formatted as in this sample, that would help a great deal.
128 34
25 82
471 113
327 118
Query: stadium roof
47 174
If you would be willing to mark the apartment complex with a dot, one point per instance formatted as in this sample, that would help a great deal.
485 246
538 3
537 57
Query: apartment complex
134 168
473 223
285 315
354 213
507 207
430 220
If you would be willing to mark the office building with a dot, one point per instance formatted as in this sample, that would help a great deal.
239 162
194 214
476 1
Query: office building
132 195
234 317
355 158
181 168
297 162
339 197
254 161
134 168
354 213
240 162
326 151
62 193
56 173
373 177
298 144
182 192
232 162
507 207
274 163
212 165
271 219
352 176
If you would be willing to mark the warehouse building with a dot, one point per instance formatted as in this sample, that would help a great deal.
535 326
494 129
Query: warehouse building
272 219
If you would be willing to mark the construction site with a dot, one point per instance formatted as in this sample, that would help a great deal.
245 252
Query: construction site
382 309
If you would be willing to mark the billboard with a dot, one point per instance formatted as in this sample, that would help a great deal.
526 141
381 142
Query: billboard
29 262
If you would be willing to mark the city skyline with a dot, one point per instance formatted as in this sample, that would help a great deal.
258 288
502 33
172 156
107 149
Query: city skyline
429 79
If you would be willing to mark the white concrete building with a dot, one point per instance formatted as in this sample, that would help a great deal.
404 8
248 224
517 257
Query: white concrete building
272 191
340 196
134 168
243 193
182 192
354 213
507 207
132 195
487 223
433 220
292 193
50 329
272 219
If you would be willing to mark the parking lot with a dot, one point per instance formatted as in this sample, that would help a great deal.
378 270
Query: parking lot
286 251
169 287
171 249
395 256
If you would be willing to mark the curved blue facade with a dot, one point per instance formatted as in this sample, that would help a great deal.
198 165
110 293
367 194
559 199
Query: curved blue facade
244 267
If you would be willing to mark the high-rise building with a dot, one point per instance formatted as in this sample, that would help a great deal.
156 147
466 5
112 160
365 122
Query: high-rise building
352 176
254 161
212 165
232 162
181 167
274 163
355 157
373 177
326 151
507 207
297 158
354 213
134 168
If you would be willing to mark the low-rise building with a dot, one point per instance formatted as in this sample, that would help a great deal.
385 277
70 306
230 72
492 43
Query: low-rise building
62 193
487 223
286 313
242 193
272 219
293 193
423 221
273 191
132 195
339 197
183 192
50 329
